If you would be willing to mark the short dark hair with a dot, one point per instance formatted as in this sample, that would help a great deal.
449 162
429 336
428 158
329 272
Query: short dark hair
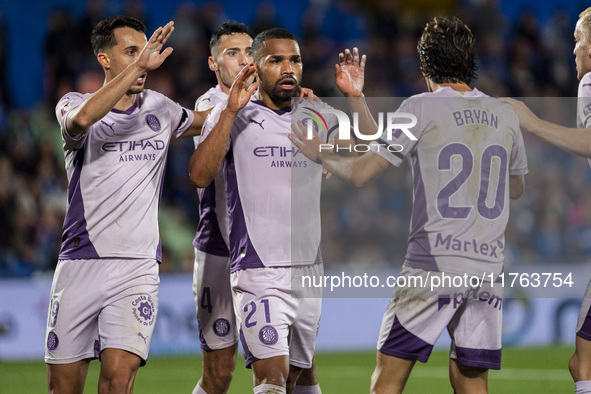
275 33
227 28
102 36
447 51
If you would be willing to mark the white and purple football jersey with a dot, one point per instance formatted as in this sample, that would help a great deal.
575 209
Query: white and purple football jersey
213 228
467 147
584 102
272 188
115 172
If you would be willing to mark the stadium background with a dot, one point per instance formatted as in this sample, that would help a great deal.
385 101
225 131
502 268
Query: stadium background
524 50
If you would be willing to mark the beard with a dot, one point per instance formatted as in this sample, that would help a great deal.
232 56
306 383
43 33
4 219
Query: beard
275 91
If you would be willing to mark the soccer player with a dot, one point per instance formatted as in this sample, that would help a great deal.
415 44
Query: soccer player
104 295
272 236
578 142
231 50
468 158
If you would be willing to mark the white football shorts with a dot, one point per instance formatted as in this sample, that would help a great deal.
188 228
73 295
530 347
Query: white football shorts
97 304
274 319
417 315
213 299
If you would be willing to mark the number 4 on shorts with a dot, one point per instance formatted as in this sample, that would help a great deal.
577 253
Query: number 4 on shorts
206 299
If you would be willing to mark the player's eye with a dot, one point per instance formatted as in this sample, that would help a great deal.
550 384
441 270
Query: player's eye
231 53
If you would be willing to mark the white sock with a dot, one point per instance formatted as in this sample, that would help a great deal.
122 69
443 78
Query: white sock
583 387
269 389
198 389
307 389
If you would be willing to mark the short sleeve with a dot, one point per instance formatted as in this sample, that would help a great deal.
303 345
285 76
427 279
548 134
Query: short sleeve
67 103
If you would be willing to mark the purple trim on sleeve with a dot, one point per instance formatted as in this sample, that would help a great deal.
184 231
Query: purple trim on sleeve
76 243
479 358
209 237
585 330
403 344
418 254
248 357
242 252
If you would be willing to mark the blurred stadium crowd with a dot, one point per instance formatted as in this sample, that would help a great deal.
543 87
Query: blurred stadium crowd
519 57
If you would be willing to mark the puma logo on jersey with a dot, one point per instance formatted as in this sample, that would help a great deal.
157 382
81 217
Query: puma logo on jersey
109 125
255 122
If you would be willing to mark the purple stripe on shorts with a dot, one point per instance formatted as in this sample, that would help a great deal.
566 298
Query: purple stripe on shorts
585 330
76 243
97 348
403 344
418 254
248 357
479 358
242 252
201 337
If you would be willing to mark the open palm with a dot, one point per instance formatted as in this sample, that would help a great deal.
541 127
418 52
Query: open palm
150 57
349 73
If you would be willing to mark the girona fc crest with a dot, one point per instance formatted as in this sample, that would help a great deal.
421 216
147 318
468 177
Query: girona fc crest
268 335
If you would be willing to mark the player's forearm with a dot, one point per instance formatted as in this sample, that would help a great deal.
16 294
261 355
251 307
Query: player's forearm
575 141
348 168
100 103
206 162
367 124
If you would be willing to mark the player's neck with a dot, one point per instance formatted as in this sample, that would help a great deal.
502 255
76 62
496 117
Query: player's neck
125 102
222 85
458 87
269 102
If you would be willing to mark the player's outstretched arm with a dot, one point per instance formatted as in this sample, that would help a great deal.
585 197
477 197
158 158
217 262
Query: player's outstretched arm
350 79
357 170
100 103
575 141
205 163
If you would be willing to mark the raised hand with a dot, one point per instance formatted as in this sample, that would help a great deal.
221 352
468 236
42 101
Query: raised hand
150 58
238 95
349 73
309 147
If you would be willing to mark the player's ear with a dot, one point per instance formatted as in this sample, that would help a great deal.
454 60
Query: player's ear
424 68
104 60
213 65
